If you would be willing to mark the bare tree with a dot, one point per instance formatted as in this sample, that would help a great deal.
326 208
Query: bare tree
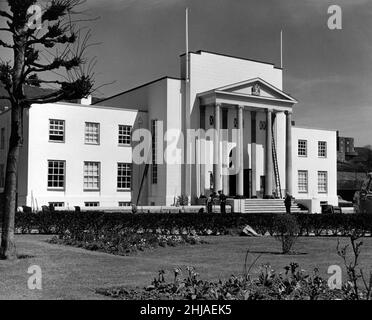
47 50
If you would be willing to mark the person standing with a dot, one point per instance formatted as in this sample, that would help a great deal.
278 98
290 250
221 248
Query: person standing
288 202
209 204
222 201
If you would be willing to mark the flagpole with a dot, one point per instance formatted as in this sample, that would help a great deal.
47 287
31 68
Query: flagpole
187 44
281 49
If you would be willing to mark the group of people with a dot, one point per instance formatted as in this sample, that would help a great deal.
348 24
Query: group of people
212 199
222 197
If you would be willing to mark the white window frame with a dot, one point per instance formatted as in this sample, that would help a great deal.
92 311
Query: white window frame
306 181
124 135
90 178
51 176
124 204
91 137
121 184
58 127
323 185
322 149
154 133
302 150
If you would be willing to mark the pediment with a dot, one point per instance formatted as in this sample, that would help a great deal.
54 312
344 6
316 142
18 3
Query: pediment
256 87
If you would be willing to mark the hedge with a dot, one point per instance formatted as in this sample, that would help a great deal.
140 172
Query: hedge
168 223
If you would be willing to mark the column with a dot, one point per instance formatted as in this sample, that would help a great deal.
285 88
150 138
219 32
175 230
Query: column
268 155
253 153
202 151
217 148
288 153
240 153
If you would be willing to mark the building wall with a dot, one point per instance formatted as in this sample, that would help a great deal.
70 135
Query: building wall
210 71
312 163
74 151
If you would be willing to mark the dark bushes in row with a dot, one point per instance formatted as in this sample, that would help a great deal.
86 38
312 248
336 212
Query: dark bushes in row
185 223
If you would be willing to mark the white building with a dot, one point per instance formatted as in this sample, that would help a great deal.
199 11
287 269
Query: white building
81 155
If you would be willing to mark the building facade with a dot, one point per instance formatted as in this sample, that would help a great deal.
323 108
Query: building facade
225 124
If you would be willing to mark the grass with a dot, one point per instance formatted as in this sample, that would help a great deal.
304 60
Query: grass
74 273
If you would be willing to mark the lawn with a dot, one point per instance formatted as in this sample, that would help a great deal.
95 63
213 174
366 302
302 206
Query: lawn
73 273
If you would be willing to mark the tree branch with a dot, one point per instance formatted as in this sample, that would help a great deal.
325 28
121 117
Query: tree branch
5 15
5 45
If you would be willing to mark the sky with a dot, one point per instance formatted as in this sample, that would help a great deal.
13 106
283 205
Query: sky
328 71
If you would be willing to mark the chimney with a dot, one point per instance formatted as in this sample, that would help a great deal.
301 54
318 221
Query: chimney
87 101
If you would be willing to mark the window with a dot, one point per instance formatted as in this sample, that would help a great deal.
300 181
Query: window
91 133
57 204
124 204
2 139
56 130
154 176
302 181
2 176
56 174
92 176
124 176
322 181
302 148
125 135
322 149
91 204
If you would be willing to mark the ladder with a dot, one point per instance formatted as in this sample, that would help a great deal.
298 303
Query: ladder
145 172
276 170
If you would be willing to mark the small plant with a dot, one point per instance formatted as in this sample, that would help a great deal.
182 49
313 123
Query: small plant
354 275
286 230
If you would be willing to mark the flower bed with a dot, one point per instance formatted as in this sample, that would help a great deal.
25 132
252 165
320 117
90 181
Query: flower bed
292 284
122 242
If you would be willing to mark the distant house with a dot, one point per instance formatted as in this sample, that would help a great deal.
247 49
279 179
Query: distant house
345 148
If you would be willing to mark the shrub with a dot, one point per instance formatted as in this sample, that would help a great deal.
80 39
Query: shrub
286 231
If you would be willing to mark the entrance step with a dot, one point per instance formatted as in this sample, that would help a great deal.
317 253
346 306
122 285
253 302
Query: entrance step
269 206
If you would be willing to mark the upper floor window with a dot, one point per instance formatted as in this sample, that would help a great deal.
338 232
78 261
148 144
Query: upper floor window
56 130
322 149
91 133
302 148
56 174
302 181
125 135
124 176
322 181
2 176
91 176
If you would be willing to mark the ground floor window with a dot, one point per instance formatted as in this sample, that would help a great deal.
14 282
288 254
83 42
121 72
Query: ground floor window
57 204
124 176
91 204
56 174
302 181
124 203
322 181
91 176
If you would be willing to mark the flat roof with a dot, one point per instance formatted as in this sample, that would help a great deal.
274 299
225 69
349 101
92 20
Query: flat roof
138 87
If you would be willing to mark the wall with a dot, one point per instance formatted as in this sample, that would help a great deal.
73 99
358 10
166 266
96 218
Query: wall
312 163
74 151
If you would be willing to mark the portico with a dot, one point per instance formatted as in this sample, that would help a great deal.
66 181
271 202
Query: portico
248 119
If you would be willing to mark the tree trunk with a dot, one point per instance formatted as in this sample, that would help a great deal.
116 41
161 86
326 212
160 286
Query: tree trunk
8 248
